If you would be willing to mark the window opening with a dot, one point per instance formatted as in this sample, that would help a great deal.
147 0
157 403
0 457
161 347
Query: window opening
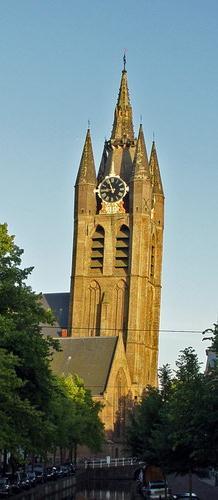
122 248
97 251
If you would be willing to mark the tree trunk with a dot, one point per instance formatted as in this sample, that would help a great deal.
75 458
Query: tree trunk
190 483
165 483
32 462
166 490
75 453
45 460
4 461
13 464
61 455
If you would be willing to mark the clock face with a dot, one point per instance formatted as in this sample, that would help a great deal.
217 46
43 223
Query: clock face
112 189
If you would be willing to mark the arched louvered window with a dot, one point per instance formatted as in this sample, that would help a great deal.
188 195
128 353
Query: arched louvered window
122 248
97 250
152 263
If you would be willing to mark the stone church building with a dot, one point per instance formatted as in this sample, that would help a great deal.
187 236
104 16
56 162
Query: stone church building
109 322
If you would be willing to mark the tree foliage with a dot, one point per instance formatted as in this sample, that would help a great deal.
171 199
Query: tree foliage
75 415
38 410
180 433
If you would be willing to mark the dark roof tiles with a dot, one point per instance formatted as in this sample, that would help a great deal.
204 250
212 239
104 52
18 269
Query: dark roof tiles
88 357
59 304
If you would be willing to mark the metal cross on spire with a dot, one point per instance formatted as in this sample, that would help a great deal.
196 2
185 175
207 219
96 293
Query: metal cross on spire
124 61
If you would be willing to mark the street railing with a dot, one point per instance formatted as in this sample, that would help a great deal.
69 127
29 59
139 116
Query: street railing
109 462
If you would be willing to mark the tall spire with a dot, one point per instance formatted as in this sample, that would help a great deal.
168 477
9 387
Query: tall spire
86 173
155 171
122 126
140 164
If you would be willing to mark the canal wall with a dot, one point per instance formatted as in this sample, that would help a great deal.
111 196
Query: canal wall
57 489
51 489
110 473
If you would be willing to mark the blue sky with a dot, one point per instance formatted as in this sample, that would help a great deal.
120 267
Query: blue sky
60 66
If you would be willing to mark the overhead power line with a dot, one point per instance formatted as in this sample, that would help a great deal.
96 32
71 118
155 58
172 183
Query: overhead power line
124 329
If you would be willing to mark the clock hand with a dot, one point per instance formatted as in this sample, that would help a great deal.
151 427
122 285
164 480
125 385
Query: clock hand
112 189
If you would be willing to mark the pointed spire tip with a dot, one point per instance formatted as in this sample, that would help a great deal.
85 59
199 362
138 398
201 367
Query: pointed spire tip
124 61
86 172
122 125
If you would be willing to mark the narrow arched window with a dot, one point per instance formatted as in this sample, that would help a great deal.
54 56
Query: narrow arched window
122 248
97 249
152 262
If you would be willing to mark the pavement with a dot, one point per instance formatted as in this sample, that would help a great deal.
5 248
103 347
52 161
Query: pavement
203 487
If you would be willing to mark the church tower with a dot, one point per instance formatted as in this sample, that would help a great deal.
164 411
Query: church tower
117 249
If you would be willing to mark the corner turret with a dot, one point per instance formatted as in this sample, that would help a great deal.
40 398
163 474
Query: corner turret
157 188
140 191
85 198
155 171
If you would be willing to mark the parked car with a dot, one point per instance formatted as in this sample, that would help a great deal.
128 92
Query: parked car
154 489
41 477
51 473
32 478
60 471
24 480
6 488
72 468
15 482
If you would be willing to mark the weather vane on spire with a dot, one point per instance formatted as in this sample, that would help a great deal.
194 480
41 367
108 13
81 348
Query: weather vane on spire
124 60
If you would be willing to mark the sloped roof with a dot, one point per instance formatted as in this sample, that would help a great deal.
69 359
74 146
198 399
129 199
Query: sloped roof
86 173
122 125
59 304
88 357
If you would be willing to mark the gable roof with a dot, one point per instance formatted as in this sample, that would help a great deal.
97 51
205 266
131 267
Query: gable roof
59 304
88 357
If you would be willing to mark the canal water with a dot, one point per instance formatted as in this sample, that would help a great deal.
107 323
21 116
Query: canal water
84 490
105 490
92 490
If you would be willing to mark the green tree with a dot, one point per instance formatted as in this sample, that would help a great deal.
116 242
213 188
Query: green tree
176 426
16 413
165 381
184 411
84 424
211 380
142 421
161 434
192 416
39 411
74 415
21 317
